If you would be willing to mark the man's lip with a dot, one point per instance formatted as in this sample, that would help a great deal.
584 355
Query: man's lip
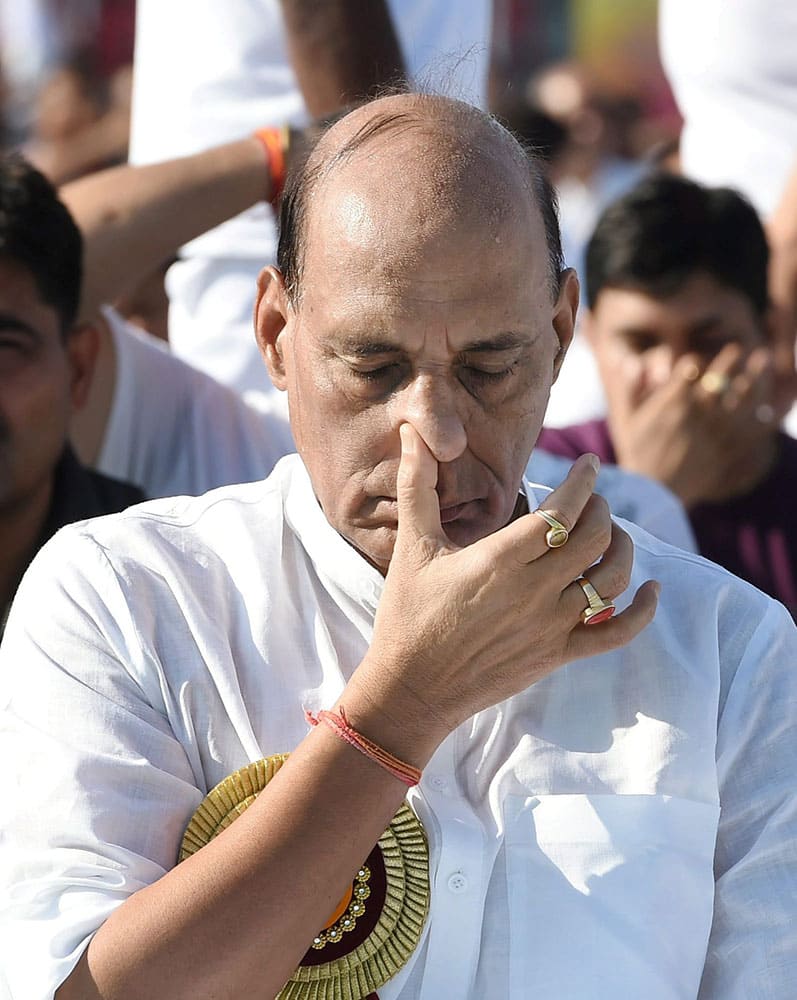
452 512
448 511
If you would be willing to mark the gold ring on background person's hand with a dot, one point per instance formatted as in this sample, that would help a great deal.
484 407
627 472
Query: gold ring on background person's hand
715 383
598 610
557 534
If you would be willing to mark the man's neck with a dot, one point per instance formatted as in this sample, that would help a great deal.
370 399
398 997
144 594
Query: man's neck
21 525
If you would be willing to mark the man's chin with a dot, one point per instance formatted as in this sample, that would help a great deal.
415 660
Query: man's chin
375 544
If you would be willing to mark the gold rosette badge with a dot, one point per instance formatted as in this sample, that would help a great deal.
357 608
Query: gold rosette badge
377 924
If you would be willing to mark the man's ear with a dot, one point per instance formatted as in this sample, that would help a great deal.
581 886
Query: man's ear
564 315
272 313
82 346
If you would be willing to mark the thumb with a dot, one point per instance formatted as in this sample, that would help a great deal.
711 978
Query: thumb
418 502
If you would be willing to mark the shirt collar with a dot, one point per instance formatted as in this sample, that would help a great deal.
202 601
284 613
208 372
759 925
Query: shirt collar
335 560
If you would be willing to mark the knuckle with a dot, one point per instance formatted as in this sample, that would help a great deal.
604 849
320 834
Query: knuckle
616 579
596 516
558 514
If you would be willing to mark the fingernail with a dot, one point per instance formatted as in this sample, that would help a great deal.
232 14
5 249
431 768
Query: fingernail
595 462
407 441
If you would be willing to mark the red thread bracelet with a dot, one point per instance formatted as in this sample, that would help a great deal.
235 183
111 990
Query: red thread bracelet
275 142
339 724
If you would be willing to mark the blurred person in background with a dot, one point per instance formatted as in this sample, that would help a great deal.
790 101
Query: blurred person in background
681 327
46 364
733 72
596 162
593 164
79 125
39 38
250 63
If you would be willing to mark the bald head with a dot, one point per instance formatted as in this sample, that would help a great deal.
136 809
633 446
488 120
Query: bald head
416 167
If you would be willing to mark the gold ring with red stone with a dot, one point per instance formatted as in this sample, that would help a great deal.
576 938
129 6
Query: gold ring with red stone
597 609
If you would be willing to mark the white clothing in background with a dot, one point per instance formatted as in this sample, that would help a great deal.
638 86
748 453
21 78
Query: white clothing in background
732 65
571 828
174 430
577 395
208 72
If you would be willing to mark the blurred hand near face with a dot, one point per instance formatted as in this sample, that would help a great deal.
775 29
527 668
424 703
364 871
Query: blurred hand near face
707 433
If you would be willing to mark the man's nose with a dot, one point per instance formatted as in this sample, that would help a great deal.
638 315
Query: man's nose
431 406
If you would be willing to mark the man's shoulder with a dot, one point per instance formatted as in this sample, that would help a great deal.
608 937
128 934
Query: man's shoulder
696 593
220 520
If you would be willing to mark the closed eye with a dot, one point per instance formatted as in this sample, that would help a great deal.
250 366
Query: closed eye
375 374
487 376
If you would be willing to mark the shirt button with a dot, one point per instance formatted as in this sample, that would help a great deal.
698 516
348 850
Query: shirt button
438 783
458 883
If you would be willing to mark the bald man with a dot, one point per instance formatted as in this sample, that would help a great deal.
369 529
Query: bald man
601 804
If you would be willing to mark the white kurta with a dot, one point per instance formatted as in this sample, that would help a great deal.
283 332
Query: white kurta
572 828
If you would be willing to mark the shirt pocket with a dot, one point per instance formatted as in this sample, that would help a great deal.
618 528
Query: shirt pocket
609 895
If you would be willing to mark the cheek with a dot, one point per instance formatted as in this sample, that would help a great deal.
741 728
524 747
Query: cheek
348 454
34 420
623 372
36 402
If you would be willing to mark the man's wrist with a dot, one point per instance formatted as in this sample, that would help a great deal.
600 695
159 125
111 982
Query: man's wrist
397 720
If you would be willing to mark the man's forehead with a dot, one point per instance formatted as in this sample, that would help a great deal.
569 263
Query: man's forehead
374 221
387 198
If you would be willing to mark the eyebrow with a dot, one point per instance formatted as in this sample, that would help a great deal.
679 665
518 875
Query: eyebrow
506 341
10 322
706 325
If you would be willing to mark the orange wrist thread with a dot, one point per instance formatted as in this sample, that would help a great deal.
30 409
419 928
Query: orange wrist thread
339 724
275 143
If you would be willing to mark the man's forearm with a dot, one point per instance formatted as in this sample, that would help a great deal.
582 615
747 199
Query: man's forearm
341 50
235 919
134 217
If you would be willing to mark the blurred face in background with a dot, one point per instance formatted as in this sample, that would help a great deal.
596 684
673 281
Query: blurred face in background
43 376
637 337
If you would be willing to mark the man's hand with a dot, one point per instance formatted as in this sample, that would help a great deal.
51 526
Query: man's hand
459 630
705 436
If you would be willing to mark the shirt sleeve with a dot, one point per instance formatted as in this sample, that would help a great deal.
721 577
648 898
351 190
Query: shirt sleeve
752 953
95 789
